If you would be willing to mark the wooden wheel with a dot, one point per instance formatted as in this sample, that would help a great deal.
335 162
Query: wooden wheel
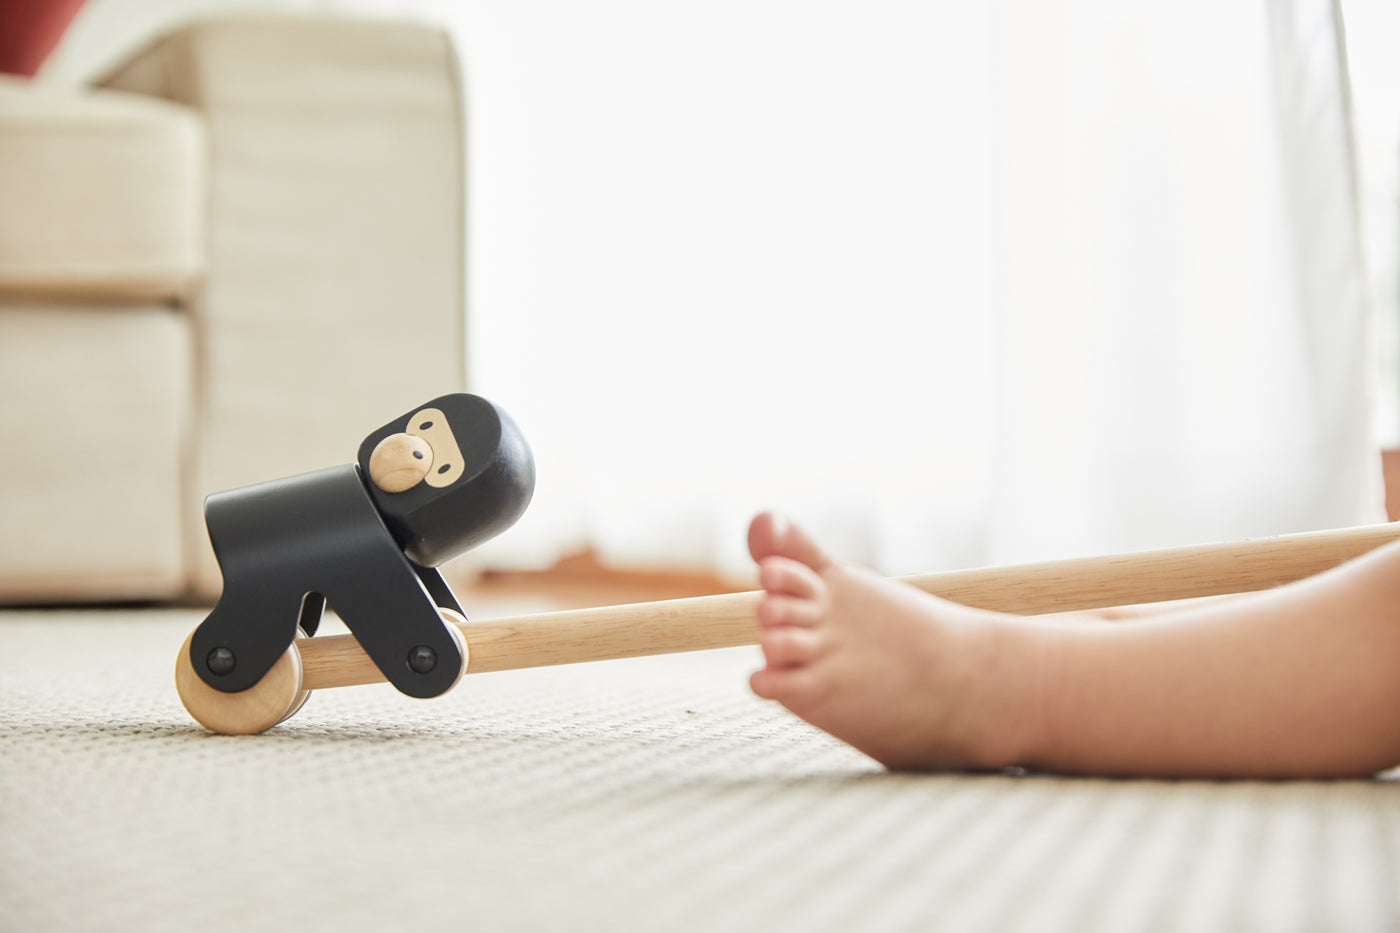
260 707
455 621
297 704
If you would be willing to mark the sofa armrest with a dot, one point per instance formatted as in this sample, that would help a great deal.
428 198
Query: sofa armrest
334 295
103 195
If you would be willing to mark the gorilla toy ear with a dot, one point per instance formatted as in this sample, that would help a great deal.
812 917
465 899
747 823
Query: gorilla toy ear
479 481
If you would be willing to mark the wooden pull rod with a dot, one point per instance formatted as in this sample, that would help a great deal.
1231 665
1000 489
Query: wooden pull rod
728 620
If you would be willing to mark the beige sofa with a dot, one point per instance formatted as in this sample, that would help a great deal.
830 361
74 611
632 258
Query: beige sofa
229 262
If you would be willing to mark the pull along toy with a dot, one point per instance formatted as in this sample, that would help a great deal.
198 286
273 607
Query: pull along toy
367 538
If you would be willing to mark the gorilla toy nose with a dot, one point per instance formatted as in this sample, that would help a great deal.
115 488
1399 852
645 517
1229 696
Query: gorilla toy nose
400 462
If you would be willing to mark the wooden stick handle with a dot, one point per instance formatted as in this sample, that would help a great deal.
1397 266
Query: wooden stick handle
728 620
1140 577
560 638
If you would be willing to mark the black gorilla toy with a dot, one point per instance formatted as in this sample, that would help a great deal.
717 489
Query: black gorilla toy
366 538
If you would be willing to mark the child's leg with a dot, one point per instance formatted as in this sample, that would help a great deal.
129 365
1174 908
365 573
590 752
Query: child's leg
1300 681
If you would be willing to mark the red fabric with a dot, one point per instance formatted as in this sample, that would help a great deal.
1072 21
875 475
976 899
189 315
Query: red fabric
29 31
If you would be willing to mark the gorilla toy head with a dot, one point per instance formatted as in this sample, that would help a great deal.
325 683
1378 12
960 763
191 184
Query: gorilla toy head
448 476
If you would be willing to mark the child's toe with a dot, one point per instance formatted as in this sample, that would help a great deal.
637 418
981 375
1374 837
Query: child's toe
771 534
788 647
789 577
787 611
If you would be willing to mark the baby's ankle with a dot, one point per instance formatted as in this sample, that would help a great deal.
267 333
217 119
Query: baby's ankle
1008 724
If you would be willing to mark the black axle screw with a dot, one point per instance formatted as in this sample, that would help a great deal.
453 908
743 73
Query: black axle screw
221 661
422 659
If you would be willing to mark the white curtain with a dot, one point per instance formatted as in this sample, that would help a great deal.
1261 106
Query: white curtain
731 257
951 283
1183 309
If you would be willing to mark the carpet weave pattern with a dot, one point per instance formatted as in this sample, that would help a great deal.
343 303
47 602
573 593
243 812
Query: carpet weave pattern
654 794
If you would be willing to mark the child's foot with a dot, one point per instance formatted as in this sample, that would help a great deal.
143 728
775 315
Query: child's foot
913 681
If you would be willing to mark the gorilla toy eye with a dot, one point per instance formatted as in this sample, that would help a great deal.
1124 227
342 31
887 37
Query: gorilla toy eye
445 464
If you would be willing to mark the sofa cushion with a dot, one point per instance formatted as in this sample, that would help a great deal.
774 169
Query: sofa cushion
103 194
94 441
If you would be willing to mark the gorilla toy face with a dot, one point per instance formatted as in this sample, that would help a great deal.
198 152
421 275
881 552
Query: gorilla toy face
448 476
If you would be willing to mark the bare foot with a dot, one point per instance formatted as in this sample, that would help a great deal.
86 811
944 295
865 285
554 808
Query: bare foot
911 680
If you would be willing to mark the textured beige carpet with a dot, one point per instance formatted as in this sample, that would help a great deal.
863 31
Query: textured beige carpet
654 794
